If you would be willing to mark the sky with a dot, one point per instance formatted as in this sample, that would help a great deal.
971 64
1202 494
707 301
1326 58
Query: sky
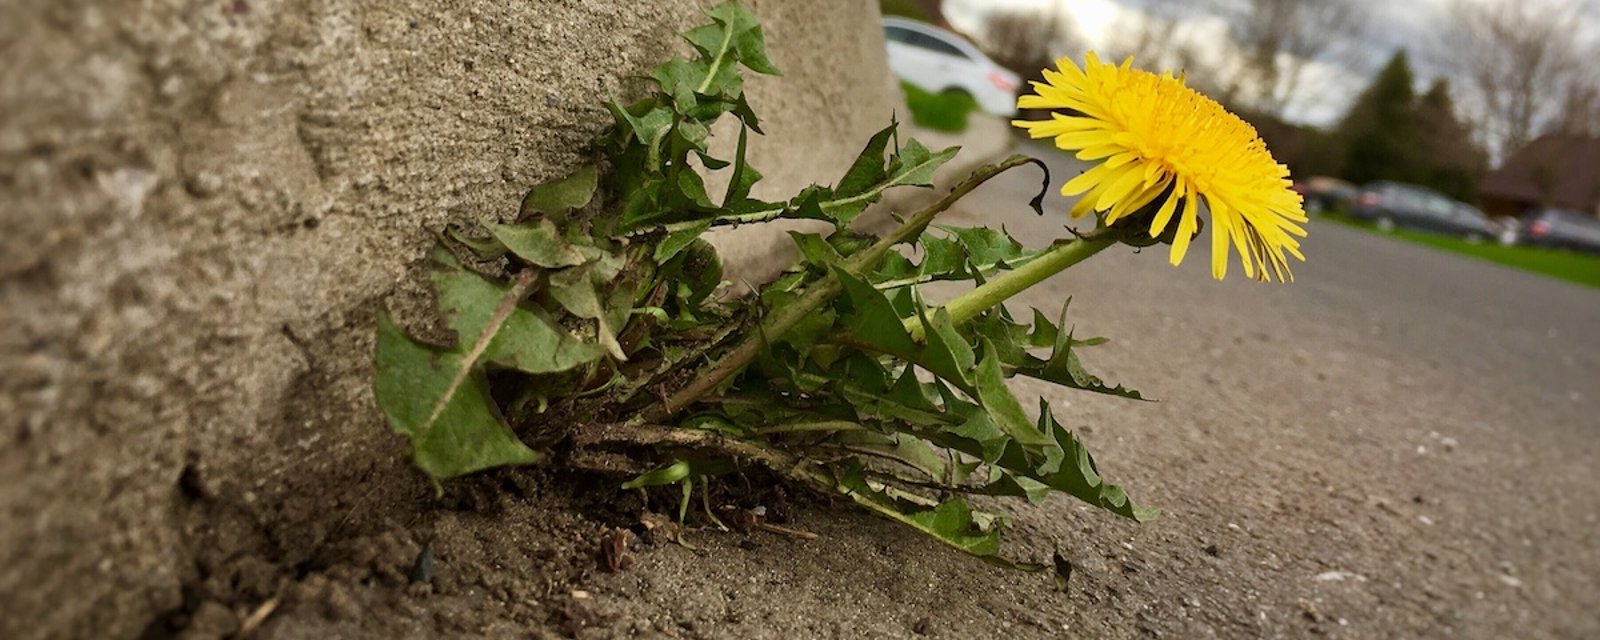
1329 87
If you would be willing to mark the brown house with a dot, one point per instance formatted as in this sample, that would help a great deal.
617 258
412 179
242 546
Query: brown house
1561 171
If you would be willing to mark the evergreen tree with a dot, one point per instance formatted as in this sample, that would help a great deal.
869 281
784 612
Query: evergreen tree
1451 162
1380 133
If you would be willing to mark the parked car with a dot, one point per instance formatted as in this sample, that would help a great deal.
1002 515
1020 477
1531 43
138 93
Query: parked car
1390 205
1557 228
938 61
1322 194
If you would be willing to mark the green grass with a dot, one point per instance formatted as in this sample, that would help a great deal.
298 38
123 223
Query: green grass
938 111
1564 265
903 8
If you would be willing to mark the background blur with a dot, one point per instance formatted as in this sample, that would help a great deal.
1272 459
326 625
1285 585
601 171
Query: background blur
1435 93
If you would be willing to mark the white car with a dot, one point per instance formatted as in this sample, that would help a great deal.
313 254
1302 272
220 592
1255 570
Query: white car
937 61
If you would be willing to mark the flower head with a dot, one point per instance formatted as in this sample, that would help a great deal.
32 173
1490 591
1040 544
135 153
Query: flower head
1155 138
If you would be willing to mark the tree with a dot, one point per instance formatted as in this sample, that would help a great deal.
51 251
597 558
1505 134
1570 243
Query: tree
1450 161
1158 34
1513 56
1278 39
1579 112
1380 133
1028 42
929 11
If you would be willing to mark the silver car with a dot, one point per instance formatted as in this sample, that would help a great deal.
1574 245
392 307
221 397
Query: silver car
938 61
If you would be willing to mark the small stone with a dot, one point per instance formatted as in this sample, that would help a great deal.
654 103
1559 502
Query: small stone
1510 581
1213 550
203 184
212 620
1310 611
422 568
552 100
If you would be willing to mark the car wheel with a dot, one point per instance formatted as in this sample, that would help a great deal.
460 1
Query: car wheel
1385 224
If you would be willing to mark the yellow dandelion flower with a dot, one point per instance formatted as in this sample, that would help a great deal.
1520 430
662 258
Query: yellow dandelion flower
1156 137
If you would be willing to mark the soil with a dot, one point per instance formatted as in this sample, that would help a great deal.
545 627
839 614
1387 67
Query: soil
1389 447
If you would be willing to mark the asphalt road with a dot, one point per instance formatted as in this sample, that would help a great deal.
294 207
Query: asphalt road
1532 340
1401 443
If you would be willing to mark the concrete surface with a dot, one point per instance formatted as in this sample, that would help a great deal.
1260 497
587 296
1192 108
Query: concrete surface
204 204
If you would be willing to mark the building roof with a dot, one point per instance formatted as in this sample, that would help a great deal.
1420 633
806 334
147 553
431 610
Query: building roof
1554 170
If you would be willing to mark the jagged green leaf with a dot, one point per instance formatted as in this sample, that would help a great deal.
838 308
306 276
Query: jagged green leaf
1069 468
867 171
985 247
576 290
513 335
744 176
441 401
483 248
875 323
440 397
950 522
1001 404
734 37
538 242
1064 368
945 353
679 240
915 164
815 250
561 196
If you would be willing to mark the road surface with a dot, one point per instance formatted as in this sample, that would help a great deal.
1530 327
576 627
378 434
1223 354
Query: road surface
1401 443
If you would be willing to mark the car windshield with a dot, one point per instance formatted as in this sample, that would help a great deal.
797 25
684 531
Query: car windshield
922 41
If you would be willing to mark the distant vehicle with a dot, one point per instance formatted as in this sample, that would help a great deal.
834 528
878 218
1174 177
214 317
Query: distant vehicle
1323 194
1391 204
1561 229
938 61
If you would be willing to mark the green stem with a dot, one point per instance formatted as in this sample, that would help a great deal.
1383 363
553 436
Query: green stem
812 427
816 296
1053 261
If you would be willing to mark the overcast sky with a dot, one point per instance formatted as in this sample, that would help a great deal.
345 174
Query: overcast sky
1392 24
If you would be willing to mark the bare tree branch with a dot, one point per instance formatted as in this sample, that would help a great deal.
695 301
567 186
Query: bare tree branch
1522 65
1278 39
